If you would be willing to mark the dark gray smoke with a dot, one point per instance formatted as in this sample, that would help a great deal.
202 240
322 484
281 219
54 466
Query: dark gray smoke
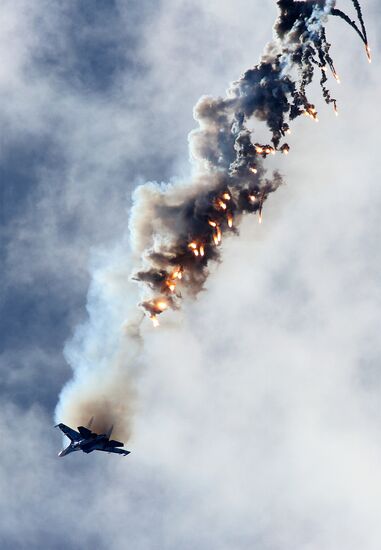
177 230
362 33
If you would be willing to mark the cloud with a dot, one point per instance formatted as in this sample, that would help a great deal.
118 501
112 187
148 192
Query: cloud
258 419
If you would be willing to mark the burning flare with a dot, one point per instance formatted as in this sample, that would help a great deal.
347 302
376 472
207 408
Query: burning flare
311 112
368 54
229 174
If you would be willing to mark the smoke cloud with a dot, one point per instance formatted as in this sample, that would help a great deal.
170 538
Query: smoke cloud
176 229
104 353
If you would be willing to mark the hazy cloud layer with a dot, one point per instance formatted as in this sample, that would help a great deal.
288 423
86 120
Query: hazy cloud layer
259 405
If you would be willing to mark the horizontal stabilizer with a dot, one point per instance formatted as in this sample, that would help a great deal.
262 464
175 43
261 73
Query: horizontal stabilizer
114 443
117 451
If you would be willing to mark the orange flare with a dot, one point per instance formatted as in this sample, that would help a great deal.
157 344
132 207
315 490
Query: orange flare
368 53
215 239
155 321
212 223
196 252
176 274
258 149
337 77
254 170
226 196
162 306
252 198
230 220
311 112
193 246
202 251
222 205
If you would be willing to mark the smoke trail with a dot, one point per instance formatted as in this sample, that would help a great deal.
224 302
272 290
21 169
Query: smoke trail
362 34
176 230
350 22
361 19
104 352
183 226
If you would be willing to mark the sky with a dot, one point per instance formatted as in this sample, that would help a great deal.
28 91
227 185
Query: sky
257 414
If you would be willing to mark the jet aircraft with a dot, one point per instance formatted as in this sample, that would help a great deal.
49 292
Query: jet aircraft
87 441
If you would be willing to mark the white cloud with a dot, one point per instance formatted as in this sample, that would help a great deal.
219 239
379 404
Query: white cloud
258 420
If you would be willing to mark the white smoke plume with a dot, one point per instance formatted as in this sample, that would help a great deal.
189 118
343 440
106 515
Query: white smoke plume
104 352
177 229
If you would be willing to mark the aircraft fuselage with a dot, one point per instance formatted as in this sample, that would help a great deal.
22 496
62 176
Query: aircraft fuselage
87 441
85 445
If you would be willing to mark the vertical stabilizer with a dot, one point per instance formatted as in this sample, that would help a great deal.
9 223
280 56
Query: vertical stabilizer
110 431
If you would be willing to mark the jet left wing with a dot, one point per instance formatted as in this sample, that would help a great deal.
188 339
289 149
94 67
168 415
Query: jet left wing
69 432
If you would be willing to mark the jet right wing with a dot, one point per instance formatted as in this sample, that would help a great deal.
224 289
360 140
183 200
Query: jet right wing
69 432
115 450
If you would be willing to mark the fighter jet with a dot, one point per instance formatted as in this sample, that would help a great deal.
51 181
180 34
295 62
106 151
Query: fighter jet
87 441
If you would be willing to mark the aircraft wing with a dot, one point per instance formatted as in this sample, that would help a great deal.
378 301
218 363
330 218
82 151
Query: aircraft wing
115 450
85 432
69 432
